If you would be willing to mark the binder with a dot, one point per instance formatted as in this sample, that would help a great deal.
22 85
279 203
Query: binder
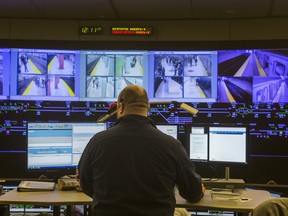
26 186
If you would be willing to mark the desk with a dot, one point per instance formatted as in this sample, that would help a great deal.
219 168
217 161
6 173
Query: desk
48 198
255 197
57 198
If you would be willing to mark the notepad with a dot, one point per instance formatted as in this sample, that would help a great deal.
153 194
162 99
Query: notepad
26 186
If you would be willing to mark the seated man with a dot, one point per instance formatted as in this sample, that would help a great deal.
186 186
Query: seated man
181 212
272 207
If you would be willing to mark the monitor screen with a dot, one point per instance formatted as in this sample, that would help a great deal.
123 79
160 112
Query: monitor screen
4 73
169 130
38 74
108 72
178 131
178 75
258 76
58 145
224 144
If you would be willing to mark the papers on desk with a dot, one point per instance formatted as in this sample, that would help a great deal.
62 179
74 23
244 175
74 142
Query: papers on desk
65 183
225 195
26 186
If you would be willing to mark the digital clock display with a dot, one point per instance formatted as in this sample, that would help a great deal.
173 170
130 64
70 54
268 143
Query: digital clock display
90 30
131 30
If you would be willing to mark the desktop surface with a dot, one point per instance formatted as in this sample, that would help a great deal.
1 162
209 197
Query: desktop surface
55 197
250 199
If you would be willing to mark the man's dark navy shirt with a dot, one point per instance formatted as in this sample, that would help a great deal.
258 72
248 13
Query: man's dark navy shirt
133 168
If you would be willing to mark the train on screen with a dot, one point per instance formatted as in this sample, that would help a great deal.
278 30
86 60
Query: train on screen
272 87
274 62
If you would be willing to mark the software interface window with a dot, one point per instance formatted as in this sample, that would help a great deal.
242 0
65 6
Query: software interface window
168 129
198 144
227 144
219 144
56 145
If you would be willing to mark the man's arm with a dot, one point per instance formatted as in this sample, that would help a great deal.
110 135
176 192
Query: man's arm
85 172
188 181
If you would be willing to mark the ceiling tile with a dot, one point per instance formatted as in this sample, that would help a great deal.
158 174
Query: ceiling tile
208 9
76 9
18 8
280 8
154 9
143 9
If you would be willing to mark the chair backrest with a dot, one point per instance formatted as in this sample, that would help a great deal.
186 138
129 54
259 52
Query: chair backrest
272 207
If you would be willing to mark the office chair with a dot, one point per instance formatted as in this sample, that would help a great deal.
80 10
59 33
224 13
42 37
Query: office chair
272 207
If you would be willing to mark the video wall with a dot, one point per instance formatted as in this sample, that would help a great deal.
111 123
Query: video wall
233 76
240 87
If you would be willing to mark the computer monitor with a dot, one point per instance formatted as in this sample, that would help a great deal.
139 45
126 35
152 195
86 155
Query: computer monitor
219 144
169 130
58 145
178 131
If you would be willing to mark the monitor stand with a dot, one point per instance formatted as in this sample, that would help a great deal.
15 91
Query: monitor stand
227 173
226 183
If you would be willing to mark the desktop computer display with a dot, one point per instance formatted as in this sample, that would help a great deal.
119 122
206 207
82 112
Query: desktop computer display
219 144
58 145
178 131
169 130
228 144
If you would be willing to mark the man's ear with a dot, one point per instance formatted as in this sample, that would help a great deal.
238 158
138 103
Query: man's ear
121 108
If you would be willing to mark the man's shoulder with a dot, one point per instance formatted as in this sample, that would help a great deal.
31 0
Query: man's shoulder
101 134
108 133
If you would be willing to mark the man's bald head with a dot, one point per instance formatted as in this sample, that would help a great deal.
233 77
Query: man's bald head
133 99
